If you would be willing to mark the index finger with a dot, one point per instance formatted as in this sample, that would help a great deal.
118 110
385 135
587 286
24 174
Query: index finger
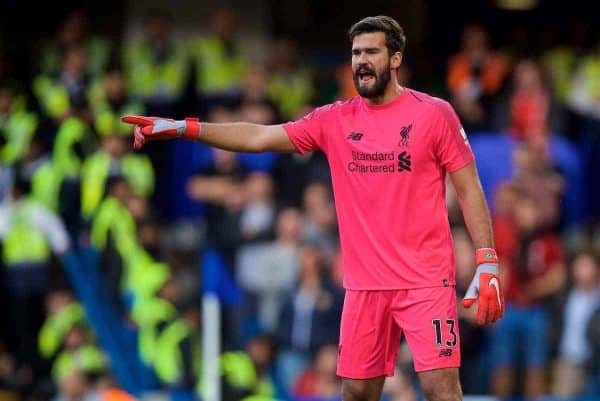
137 120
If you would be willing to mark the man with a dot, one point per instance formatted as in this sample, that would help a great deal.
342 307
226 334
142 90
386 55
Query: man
389 150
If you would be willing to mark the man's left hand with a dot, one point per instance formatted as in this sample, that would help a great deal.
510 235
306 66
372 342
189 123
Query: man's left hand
486 288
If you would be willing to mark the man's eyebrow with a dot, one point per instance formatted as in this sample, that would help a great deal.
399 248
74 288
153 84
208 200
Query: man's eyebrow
364 48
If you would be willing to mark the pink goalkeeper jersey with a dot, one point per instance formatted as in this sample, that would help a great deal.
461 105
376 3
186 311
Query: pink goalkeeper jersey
388 165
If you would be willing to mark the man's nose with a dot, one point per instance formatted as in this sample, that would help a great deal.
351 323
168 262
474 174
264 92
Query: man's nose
362 58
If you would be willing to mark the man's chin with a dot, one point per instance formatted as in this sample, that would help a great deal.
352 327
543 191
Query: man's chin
366 90
367 93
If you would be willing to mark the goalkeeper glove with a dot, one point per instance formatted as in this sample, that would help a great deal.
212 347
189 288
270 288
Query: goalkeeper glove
156 128
485 286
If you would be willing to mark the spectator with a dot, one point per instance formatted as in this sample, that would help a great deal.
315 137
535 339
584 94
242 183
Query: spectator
63 93
74 32
306 170
575 351
74 386
320 381
176 357
30 236
109 100
246 373
268 270
255 105
320 225
11 380
472 336
112 159
290 84
584 99
560 56
221 188
17 126
310 316
529 109
258 215
475 74
62 313
79 354
220 63
535 273
536 176
585 90
593 338
155 65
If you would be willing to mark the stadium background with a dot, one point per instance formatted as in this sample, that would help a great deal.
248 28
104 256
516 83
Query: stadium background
118 305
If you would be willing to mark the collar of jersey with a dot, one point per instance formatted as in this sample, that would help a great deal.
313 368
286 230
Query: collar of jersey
391 103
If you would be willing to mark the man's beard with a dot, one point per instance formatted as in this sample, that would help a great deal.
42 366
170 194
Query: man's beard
381 80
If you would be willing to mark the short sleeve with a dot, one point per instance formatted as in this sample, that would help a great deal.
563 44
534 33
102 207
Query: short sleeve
452 146
307 133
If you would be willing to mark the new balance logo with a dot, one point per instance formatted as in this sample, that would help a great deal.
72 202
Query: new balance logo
446 352
355 136
404 162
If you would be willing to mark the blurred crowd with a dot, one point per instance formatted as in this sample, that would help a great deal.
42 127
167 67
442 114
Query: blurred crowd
266 224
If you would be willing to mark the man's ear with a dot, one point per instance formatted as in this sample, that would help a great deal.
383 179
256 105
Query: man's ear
396 60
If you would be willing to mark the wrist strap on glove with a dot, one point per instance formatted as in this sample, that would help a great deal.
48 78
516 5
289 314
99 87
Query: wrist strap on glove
192 128
486 255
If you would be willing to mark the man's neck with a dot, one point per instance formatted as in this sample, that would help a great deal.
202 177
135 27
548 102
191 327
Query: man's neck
392 92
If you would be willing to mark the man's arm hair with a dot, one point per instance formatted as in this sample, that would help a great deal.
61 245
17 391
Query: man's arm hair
473 205
246 137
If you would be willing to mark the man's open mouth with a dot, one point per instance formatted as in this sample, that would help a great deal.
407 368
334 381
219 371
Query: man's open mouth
365 77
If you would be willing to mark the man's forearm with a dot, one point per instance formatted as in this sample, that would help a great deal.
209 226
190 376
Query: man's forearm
245 137
236 137
477 217
474 208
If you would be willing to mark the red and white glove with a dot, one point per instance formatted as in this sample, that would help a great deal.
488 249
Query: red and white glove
485 287
156 128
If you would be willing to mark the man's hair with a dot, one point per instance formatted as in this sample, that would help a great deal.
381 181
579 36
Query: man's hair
395 40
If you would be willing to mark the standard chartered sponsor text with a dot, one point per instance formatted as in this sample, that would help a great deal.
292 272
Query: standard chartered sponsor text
375 156
355 167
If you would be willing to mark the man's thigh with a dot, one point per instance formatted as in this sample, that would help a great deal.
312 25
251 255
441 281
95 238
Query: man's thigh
428 319
369 337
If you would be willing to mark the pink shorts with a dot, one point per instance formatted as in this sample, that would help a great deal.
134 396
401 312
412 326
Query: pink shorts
373 323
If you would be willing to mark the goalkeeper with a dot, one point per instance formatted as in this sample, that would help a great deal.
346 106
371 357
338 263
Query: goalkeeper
389 152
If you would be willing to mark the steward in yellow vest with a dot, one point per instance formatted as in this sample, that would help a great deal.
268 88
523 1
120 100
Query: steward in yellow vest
79 354
73 31
17 126
113 159
245 372
177 358
290 87
155 65
61 93
219 63
63 314
109 100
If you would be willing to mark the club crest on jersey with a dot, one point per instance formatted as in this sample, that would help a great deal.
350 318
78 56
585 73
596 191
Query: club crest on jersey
405 135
